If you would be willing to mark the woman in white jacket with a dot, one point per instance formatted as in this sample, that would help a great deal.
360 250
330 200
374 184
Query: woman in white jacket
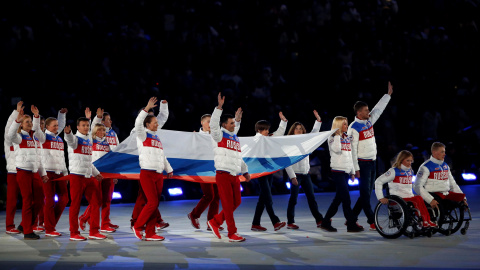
28 151
152 163
298 173
399 179
342 166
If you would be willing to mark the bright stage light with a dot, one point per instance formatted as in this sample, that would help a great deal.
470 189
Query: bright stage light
288 185
353 183
469 176
56 198
116 195
175 191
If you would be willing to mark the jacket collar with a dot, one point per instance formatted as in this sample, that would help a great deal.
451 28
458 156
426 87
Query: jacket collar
50 133
226 131
360 121
437 161
405 168
85 137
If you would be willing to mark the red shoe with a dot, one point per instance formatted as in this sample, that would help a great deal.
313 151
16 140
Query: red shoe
154 238
107 229
292 226
137 233
258 228
372 227
161 225
220 228
215 230
12 231
77 237
194 221
82 223
38 229
279 225
113 226
97 236
236 238
53 234
432 224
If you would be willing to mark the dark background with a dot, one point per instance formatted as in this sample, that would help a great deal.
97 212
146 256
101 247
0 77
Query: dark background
264 56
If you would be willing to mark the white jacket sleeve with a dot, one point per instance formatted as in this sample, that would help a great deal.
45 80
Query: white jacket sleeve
237 126
290 172
335 144
96 120
62 121
71 140
452 183
281 128
139 128
316 127
244 167
41 168
215 129
38 131
162 116
387 177
420 181
167 167
354 135
95 172
379 108
10 120
13 136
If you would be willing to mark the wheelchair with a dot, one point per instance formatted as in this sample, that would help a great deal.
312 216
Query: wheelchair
399 217
451 216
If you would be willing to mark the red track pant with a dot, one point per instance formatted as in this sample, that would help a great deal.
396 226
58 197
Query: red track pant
53 211
32 197
419 203
152 185
230 196
107 193
13 190
80 185
139 204
210 198
453 196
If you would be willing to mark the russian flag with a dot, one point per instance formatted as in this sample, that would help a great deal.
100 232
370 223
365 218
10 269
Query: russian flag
191 154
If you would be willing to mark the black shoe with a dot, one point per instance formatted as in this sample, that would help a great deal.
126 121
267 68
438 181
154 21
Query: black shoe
328 228
20 228
355 228
31 236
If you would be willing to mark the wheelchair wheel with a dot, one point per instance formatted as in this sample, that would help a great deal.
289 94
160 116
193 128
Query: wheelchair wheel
415 225
392 219
451 217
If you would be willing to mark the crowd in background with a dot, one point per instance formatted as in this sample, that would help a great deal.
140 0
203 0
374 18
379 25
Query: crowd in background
264 56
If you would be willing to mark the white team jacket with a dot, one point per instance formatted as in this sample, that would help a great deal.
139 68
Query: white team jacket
303 166
399 182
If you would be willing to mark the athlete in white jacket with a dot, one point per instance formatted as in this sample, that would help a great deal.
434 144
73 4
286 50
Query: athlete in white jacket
28 162
342 166
298 173
399 179
152 163
364 151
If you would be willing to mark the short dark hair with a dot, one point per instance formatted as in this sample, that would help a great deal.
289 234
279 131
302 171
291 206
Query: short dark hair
359 105
148 119
143 109
437 145
224 118
82 119
104 115
262 125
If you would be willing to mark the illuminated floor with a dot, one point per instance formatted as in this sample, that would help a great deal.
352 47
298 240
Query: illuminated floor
186 248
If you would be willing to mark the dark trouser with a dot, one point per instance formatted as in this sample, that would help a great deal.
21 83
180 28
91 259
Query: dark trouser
305 181
265 200
341 197
366 184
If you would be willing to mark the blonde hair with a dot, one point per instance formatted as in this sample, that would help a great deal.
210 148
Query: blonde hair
19 130
291 131
404 154
96 128
338 123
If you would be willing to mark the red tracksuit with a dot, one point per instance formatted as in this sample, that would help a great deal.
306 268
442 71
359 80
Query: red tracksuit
53 211
13 190
139 204
230 196
210 198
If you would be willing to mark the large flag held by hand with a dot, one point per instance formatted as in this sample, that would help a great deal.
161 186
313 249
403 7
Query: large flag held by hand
191 154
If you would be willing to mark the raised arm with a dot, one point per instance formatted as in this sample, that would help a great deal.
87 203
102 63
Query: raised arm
62 119
215 129
238 119
98 117
11 119
13 136
162 116
139 128
36 125
282 127
71 139
381 105
387 177
318 122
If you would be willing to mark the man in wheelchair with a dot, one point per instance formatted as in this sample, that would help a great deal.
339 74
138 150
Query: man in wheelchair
436 185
